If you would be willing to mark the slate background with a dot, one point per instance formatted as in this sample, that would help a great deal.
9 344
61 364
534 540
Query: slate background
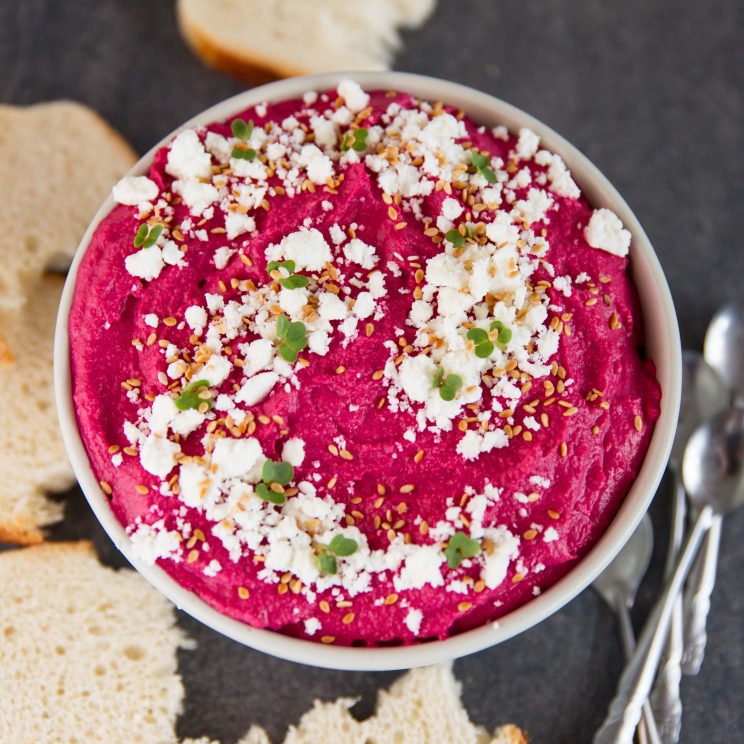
652 93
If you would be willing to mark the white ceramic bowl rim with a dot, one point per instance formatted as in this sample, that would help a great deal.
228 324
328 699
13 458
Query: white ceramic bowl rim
662 336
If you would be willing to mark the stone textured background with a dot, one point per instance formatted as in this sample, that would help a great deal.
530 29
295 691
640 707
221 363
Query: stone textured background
652 93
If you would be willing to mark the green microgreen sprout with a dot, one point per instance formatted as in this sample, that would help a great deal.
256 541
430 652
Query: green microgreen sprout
455 237
356 140
292 338
274 475
482 165
196 395
283 272
448 386
243 131
340 546
484 341
460 546
147 236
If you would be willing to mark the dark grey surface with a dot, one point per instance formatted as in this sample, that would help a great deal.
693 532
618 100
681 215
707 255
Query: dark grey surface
652 93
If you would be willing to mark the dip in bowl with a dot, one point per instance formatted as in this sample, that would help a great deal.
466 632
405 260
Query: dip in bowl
367 371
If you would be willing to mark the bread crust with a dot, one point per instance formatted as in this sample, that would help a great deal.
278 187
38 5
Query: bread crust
253 70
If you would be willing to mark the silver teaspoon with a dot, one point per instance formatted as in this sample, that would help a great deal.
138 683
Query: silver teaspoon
703 395
713 475
724 352
618 585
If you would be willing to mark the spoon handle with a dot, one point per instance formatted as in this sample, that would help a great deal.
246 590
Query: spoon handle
635 682
666 701
703 581
647 731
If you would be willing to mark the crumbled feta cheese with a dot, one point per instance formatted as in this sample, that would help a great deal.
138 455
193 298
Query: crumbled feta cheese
134 190
606 231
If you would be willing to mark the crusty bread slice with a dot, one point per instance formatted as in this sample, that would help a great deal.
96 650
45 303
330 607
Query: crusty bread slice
32 457
86 653
422 707
59 161
258 41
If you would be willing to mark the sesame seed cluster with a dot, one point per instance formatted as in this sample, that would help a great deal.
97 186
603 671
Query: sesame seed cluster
301 406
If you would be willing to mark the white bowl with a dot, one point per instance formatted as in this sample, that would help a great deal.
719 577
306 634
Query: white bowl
662 339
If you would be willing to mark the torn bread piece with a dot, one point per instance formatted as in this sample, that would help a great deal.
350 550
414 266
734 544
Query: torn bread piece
32 456
88 653
62 158
260 41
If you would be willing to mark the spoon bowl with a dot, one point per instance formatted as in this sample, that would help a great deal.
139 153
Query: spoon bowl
724 346
713 463
619 582
704 394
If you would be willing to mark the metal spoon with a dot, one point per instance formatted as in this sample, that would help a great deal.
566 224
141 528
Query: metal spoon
724 351
703 395
618 585
713 474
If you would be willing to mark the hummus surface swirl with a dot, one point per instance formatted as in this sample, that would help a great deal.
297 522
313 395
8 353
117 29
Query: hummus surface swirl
357 369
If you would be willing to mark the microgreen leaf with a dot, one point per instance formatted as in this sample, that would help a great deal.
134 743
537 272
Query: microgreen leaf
273 266
243 154
482 165
266 494
477 335
343 546
504 333
193 395
360 139
241 129
296 281
327 563
460 546
448 386
455 237
292 338
153 236
277 472
483 345
140 235
282 325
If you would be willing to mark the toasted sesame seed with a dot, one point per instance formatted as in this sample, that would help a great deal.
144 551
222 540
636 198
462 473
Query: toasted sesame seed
572 411
418 456
348 618
282 588
340 369
530 534
391 599
517 578
615 322
141 489
380 489
464 606
192 556
377 375
638 423
563 449
400 225
324 606
170 321
595 429
407 488
392 213
105 487
327 639
332 482
346 455
243 593
553 514
333 449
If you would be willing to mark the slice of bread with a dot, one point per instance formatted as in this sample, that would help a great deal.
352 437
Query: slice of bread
87 653
258 41
422 707
32 457
59 162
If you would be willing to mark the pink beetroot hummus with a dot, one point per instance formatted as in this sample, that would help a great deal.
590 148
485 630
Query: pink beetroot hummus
357 369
